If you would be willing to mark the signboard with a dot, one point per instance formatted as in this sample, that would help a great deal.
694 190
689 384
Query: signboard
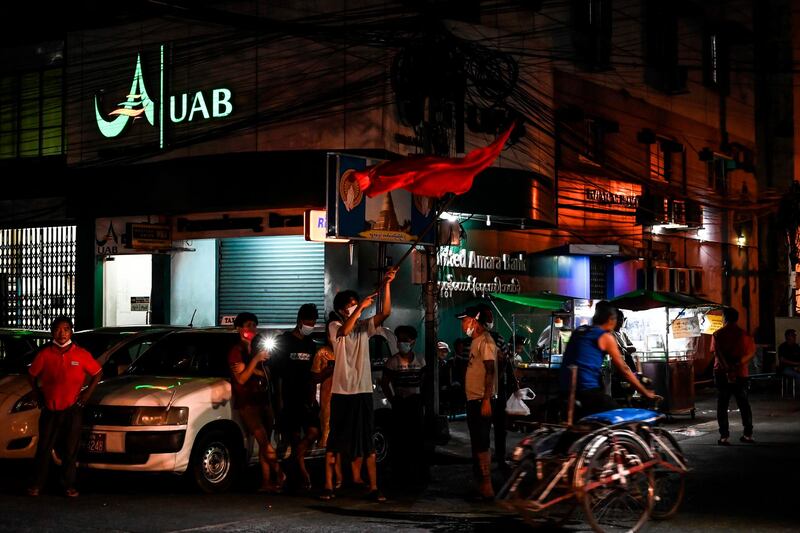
149 236
395 216
227 320
709 324
152 106
111 235
315 226
683 328
140 303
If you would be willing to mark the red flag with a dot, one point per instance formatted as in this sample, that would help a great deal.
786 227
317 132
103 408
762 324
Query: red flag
430 175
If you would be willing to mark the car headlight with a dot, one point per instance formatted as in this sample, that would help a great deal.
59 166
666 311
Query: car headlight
26 403
160 416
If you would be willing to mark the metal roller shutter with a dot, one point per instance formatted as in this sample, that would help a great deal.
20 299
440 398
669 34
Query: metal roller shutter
271 277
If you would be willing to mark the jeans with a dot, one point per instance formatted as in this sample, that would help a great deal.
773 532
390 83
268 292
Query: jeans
739 390
499 423
62 427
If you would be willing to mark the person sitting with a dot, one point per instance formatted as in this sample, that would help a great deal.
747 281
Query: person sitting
789 357
586 349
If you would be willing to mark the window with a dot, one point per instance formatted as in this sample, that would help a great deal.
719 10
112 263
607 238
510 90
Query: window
31 114
665 157
718 168
715 61
662 71
657 171
591 33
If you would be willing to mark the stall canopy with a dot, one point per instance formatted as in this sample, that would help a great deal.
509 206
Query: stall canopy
540 300
641 299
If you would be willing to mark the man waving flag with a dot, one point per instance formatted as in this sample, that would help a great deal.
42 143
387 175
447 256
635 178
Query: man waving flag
430 175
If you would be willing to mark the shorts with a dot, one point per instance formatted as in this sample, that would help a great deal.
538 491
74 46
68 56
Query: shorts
257 418
297 419
479 427
352 425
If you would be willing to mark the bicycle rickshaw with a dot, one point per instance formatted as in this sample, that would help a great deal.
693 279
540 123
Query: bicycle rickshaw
617 466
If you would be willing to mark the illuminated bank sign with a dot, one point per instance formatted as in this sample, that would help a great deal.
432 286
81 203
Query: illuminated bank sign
139 104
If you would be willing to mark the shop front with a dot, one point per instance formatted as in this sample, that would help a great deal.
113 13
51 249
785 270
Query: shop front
667 330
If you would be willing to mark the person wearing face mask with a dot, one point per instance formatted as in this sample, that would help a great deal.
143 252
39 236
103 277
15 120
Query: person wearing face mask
352 421
291 363
401 383
56 375
251 397
480 386
506 385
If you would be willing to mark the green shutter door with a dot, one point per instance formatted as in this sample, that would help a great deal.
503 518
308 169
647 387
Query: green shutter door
271 277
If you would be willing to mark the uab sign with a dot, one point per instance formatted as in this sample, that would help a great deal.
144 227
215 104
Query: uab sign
139 104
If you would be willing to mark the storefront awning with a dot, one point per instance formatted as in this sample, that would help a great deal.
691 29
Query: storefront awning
542 300
641 299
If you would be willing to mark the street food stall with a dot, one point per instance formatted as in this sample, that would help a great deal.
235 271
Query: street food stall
665 328
546 329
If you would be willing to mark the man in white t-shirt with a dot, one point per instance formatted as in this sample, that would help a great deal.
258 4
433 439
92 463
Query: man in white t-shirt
351 419
480 385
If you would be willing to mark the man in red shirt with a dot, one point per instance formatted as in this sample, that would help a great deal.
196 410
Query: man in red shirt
732 348
57 375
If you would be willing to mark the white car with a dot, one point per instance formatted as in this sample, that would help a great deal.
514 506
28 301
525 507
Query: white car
171 412
114 349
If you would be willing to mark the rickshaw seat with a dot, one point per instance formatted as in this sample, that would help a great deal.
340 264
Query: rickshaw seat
624 415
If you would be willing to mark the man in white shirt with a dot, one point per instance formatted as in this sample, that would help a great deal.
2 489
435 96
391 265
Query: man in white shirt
480 386
351 422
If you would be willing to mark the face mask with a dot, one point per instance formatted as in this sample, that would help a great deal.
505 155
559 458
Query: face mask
62 345
352 309
404 347
306 330
489 325
470 331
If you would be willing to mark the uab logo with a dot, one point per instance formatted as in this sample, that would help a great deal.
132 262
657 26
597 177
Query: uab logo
138 104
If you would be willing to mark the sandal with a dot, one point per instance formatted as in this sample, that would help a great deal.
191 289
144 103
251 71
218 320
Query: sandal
748 439
33 492
72 493
724 441
327 495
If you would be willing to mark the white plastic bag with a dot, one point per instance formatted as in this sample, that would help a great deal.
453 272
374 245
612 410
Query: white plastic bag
515 406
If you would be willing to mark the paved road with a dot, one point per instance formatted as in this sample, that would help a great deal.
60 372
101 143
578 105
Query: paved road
740 488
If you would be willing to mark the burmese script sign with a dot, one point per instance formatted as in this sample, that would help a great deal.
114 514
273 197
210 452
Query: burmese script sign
449 286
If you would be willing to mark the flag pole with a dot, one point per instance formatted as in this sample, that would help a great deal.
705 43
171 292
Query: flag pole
449 200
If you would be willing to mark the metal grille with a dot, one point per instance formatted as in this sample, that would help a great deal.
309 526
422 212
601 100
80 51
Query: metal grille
37 276
271 277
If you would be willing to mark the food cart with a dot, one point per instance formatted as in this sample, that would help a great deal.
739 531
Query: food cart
546 328
665 328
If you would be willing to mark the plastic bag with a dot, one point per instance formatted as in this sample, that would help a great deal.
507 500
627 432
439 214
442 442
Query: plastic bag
515 406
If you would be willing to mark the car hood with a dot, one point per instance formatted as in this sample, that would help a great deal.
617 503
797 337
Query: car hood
155 391
13 385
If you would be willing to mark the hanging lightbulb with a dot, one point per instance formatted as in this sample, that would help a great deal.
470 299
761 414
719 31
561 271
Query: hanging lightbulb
488 220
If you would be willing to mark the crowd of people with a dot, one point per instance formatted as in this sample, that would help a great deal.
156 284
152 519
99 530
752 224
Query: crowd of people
301 393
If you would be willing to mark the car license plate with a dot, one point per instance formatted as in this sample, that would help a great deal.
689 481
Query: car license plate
96 443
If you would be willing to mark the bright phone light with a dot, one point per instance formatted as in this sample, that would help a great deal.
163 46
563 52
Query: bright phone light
268 344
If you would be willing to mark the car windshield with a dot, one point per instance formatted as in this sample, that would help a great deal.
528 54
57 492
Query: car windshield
17 351
188 354
97 342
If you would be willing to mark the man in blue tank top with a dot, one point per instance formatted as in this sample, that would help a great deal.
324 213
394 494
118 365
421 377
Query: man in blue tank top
586 349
